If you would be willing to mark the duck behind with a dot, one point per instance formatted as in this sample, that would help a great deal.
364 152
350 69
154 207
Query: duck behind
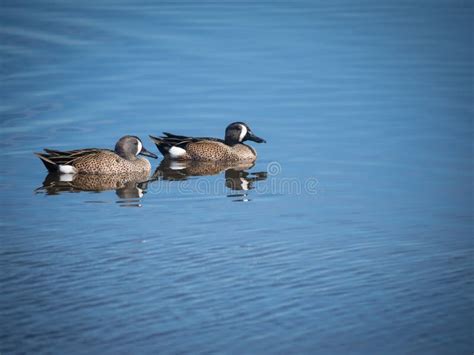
231 148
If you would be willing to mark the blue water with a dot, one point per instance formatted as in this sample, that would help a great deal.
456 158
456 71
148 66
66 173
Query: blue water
351 234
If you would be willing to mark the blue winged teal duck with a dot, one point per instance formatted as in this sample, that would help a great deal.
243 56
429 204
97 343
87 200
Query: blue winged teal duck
122 160
231 148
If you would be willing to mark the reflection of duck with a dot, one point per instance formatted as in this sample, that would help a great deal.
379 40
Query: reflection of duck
123 160
182 170
231 148
242 180
126 186
236 176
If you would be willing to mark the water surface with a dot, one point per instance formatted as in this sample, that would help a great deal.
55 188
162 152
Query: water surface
351 234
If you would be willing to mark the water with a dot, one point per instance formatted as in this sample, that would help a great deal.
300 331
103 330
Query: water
351 234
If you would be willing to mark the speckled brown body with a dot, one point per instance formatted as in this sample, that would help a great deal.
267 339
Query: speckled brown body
213 150
94 161
108 162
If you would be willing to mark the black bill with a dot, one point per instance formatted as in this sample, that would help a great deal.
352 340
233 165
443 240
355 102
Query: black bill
252 137
147 153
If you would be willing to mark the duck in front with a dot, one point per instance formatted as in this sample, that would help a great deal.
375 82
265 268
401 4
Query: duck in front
231 148
123 159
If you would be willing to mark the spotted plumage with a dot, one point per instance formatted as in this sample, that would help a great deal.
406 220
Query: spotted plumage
122 160
231 148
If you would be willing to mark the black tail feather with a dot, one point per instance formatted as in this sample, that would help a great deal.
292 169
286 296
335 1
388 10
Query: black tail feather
175 136
53 152
50 165
162 146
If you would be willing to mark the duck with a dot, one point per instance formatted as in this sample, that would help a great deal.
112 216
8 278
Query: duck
122 160
231 148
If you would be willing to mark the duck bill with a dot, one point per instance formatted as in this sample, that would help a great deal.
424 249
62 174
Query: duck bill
252 137
147 153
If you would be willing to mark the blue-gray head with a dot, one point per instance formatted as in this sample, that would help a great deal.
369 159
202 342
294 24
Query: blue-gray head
238 132
128 147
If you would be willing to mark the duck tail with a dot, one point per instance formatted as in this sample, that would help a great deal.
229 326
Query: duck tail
49 164
162 146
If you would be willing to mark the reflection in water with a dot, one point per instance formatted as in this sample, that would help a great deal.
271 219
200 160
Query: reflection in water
129 188
237 178
240 180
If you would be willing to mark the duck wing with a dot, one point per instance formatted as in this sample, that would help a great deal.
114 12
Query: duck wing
184 139
52 159
169 140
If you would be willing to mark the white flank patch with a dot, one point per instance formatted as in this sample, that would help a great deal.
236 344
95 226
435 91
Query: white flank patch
243 133
177 152
140 147
67 169
140 192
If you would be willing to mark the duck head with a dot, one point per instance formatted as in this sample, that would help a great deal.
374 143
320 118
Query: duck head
128 147
239 132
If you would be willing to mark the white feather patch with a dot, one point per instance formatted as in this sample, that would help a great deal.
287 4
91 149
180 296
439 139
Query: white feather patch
67 169
242 133
176 152
140 147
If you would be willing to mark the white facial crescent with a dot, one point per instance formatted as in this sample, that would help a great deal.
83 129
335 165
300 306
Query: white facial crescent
243 133
140 146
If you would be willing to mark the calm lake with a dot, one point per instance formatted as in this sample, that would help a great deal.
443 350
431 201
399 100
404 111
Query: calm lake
352 233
